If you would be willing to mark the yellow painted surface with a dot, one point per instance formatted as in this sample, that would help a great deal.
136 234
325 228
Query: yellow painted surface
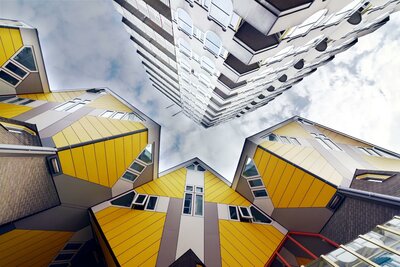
289 186
102 162
339 138
54 96
169 185
31 247
11 110
247 244
292 129
133 235
306 157
216 190
18 127
91 128
10 42
106 252
110 103
384 164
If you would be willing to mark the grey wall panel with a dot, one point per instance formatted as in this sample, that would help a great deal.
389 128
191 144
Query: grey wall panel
244 189
212 249
169 240
60 218
80 192
36 111
31 84
302 219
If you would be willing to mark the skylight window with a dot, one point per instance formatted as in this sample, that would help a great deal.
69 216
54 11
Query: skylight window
250 169
26 59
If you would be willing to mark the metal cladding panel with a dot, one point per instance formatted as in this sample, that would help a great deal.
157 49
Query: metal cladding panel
10 42
133 235
31 247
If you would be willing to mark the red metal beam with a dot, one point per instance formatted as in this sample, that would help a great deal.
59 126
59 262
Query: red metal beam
283 260
312 255
271 259
330 242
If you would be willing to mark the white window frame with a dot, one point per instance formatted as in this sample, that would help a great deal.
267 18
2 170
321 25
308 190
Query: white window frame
253 179
256 189
237 213
140 203
250 217
148 200
75 103
326 142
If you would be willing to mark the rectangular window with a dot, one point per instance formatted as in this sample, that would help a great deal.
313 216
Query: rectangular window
8 78
16 70
137 167
74 108
326 142
151 203
129 176
245 213
259 216
187 204
233 213
65 106
260 193
199 189
26 102
140 199
199 205
255 183
118 115
107 114
189 188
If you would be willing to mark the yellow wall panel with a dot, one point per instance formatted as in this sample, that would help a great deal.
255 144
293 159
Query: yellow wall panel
31 247
60 140
119 153
71 136
91 163
81 132
292 129
111 161
94 121
324 196
54 96
163 185
301 191
133 235
263 163
10 110
8 45
247 244
66 161
128 150
290 189
109 102
312 193
16 38
101 162
143 139
282 185
339 138
276 176
79 162
382 163
90 129
267 174
257 156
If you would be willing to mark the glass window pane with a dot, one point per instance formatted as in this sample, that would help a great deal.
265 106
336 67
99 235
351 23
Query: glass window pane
25 58
185 22
151 204
15 69
118 115
212 42
107 114
146 156
272 137
250 169
189 188
258 216
137 167
260 193
8 78
187 205
27 101
199 189
244 211
140 199
125 200
65 106
76 107
199 205
15 100
221 11
130 176
233 213
294 141
255 183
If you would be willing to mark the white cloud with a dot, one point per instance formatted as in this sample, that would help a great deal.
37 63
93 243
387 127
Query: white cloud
85 45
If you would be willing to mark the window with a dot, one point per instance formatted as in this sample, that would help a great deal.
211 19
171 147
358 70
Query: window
194 200
140 199
260 193
199 205
26 102
147 155
184 21
212 43
137 167
125 200
54 164
308 24
235 21
221 12
255 182
185 48
72 105
118 115
151 203
326 142
8 78
283 139
26 59
259 216
245 213
16 70
373 151
107 114
187 204
250 168
129 176
233 213
208 65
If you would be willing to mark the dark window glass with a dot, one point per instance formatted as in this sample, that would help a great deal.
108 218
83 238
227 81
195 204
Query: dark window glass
260 193
200 168
125 200
140 199
137 167
145 156
27 102
15 69
199 205
151 204
130 176
272 137
16 100
254 183
25 58
72 246
64 256
250 169
8 78
189 188
190 167
244 211
259 216
233 213
187 205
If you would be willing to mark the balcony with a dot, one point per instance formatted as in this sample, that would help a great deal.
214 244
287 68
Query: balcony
238 66
254 40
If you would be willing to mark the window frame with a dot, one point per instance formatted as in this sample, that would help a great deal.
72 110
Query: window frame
143 203
237 213
249 217
148 201
259 189
257 186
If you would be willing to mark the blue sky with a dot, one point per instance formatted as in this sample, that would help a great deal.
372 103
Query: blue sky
85 45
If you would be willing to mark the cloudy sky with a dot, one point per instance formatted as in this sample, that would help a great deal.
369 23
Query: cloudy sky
85 45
